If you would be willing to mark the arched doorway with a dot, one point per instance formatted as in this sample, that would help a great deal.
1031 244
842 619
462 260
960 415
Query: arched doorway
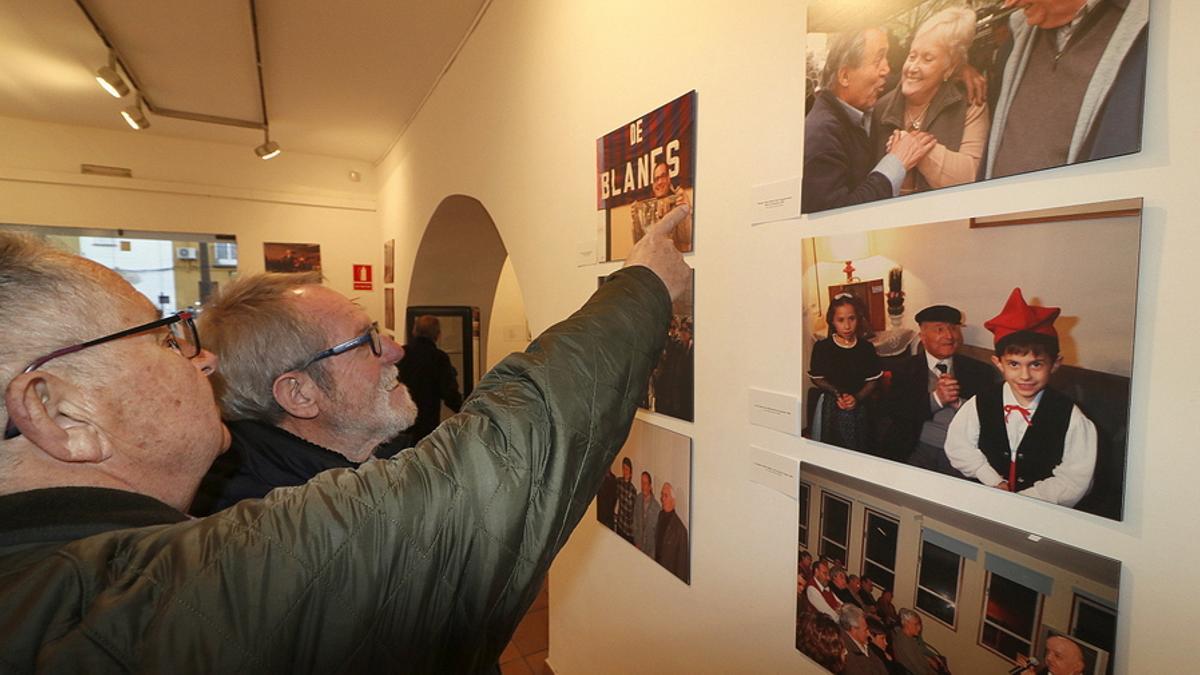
462 261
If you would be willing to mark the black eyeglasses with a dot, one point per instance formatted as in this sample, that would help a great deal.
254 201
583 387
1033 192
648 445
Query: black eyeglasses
369 337
182 338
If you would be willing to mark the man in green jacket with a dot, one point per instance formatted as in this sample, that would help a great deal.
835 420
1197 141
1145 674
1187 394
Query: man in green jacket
423 563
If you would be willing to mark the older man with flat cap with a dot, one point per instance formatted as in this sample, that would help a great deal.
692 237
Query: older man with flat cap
928 388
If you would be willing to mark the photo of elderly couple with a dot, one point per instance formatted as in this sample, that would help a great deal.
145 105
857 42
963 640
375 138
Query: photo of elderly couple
890 583
646 496
905 96
981 348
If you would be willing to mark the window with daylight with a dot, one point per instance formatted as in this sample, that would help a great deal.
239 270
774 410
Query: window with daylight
880 537
1012 613
835 527
938 580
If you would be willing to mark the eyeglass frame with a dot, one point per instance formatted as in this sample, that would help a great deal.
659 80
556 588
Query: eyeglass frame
371 336
186 316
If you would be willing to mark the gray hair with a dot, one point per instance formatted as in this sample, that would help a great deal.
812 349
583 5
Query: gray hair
846 50
258 333
905 614
850 616
953 27
49 299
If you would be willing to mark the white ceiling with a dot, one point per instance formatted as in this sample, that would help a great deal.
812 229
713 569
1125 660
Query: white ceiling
343 79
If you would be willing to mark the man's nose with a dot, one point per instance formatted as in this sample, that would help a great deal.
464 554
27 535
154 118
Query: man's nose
205 362
392 351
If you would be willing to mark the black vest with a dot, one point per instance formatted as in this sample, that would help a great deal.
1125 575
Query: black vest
1041 448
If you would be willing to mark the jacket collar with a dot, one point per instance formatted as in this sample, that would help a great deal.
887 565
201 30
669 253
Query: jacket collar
69 513
948 94
267 443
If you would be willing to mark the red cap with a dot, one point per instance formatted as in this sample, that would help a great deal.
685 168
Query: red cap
1018 316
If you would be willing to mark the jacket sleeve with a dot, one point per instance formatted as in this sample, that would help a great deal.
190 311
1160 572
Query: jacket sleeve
422 563
827 181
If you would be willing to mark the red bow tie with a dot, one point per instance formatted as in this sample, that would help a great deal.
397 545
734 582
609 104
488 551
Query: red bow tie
1025 412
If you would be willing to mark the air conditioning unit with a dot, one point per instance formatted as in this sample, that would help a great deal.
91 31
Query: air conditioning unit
186 253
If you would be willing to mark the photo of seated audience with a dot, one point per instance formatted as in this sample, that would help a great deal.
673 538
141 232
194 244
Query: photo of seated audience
942 93
981 349
646 496
973 596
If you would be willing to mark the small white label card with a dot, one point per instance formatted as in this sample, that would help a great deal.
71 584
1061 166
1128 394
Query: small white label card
775 201
775 411
776 471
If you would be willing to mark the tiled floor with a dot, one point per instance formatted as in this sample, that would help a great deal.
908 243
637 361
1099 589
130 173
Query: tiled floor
526 654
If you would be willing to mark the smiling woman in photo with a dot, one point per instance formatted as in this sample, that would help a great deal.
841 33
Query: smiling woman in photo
930 101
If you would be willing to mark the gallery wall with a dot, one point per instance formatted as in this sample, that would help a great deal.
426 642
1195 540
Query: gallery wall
192 186
508 330
514 123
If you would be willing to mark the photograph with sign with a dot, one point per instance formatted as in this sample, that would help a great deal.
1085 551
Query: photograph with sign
643 170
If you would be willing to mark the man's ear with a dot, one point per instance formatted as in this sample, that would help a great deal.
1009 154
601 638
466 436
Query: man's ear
53 415
1058 361
297 394
996 362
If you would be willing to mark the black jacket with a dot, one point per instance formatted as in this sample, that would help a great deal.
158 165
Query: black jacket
907 404
431 379
839 160
261 458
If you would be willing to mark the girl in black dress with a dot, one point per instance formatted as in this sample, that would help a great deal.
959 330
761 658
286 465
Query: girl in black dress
847 369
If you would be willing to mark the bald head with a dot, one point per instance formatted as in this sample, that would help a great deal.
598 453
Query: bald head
1063 656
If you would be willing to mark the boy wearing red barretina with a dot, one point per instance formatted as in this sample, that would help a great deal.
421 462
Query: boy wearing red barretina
1020 435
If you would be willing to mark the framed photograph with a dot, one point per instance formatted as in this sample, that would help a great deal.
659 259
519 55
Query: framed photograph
915 95
643 170
967 307
935 585
672 390
389 309
292 257
389 261
646 497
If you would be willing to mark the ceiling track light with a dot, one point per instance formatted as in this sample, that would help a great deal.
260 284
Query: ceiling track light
135 116
268 150
118 79
110 80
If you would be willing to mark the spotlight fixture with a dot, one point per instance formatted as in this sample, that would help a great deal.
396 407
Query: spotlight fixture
269 148
110 80
135 116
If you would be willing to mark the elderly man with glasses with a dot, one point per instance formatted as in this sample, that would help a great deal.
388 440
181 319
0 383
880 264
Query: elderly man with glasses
295 405
421 563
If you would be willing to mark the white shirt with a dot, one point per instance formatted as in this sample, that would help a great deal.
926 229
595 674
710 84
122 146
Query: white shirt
818 601
1069 481
935 403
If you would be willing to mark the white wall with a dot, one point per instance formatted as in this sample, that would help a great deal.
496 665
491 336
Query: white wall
514 125
508 331
191 186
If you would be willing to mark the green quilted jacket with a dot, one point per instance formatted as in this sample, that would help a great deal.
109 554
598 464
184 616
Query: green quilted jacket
422 563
